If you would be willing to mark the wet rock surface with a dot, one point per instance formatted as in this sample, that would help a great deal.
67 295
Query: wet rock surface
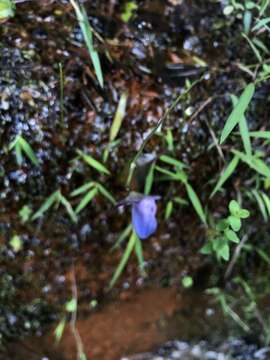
165 44
180 350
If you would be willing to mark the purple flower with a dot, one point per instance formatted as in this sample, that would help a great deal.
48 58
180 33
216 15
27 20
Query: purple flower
144 216
144 210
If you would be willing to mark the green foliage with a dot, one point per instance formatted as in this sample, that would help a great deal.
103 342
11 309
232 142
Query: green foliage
88 38
21 146
25 213
71 305
116 124
187 282
228 171
124 259
224 301
59 330
95 164
16 243
180 175
91 190
225 232
238 112
7 9
263 202
130 7
55 198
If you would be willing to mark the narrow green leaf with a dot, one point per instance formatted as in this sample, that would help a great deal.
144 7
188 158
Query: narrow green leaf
47 204
254 48
88 38
86 199
196 203
93 163
58 332
13 143
260 134
266 200
263 255
119 116
124 259
261 23
82 188
169 210
105 193
68 207
226 174
169 139
244 132
180 201
169 160
238 111
18 153
139 254
260 203
173 176
257 164
28 150
245 136
149 179
123 236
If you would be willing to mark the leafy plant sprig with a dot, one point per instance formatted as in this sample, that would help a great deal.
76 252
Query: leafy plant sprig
225 232
55 199
21 147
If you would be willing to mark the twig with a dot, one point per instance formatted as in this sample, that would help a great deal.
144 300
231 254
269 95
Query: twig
235 257
74 330
153 131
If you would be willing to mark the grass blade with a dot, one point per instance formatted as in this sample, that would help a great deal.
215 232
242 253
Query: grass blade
124 259
139 254
68 207
244 132
261 205
254 48
173 176
123 236
256 164
226 174
119 116
18 153
266 200
260 134
238 111
86 199
196 203
93 163
28 150
88 38
261 23
82 189
106 193
47 204
169 160
149 179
